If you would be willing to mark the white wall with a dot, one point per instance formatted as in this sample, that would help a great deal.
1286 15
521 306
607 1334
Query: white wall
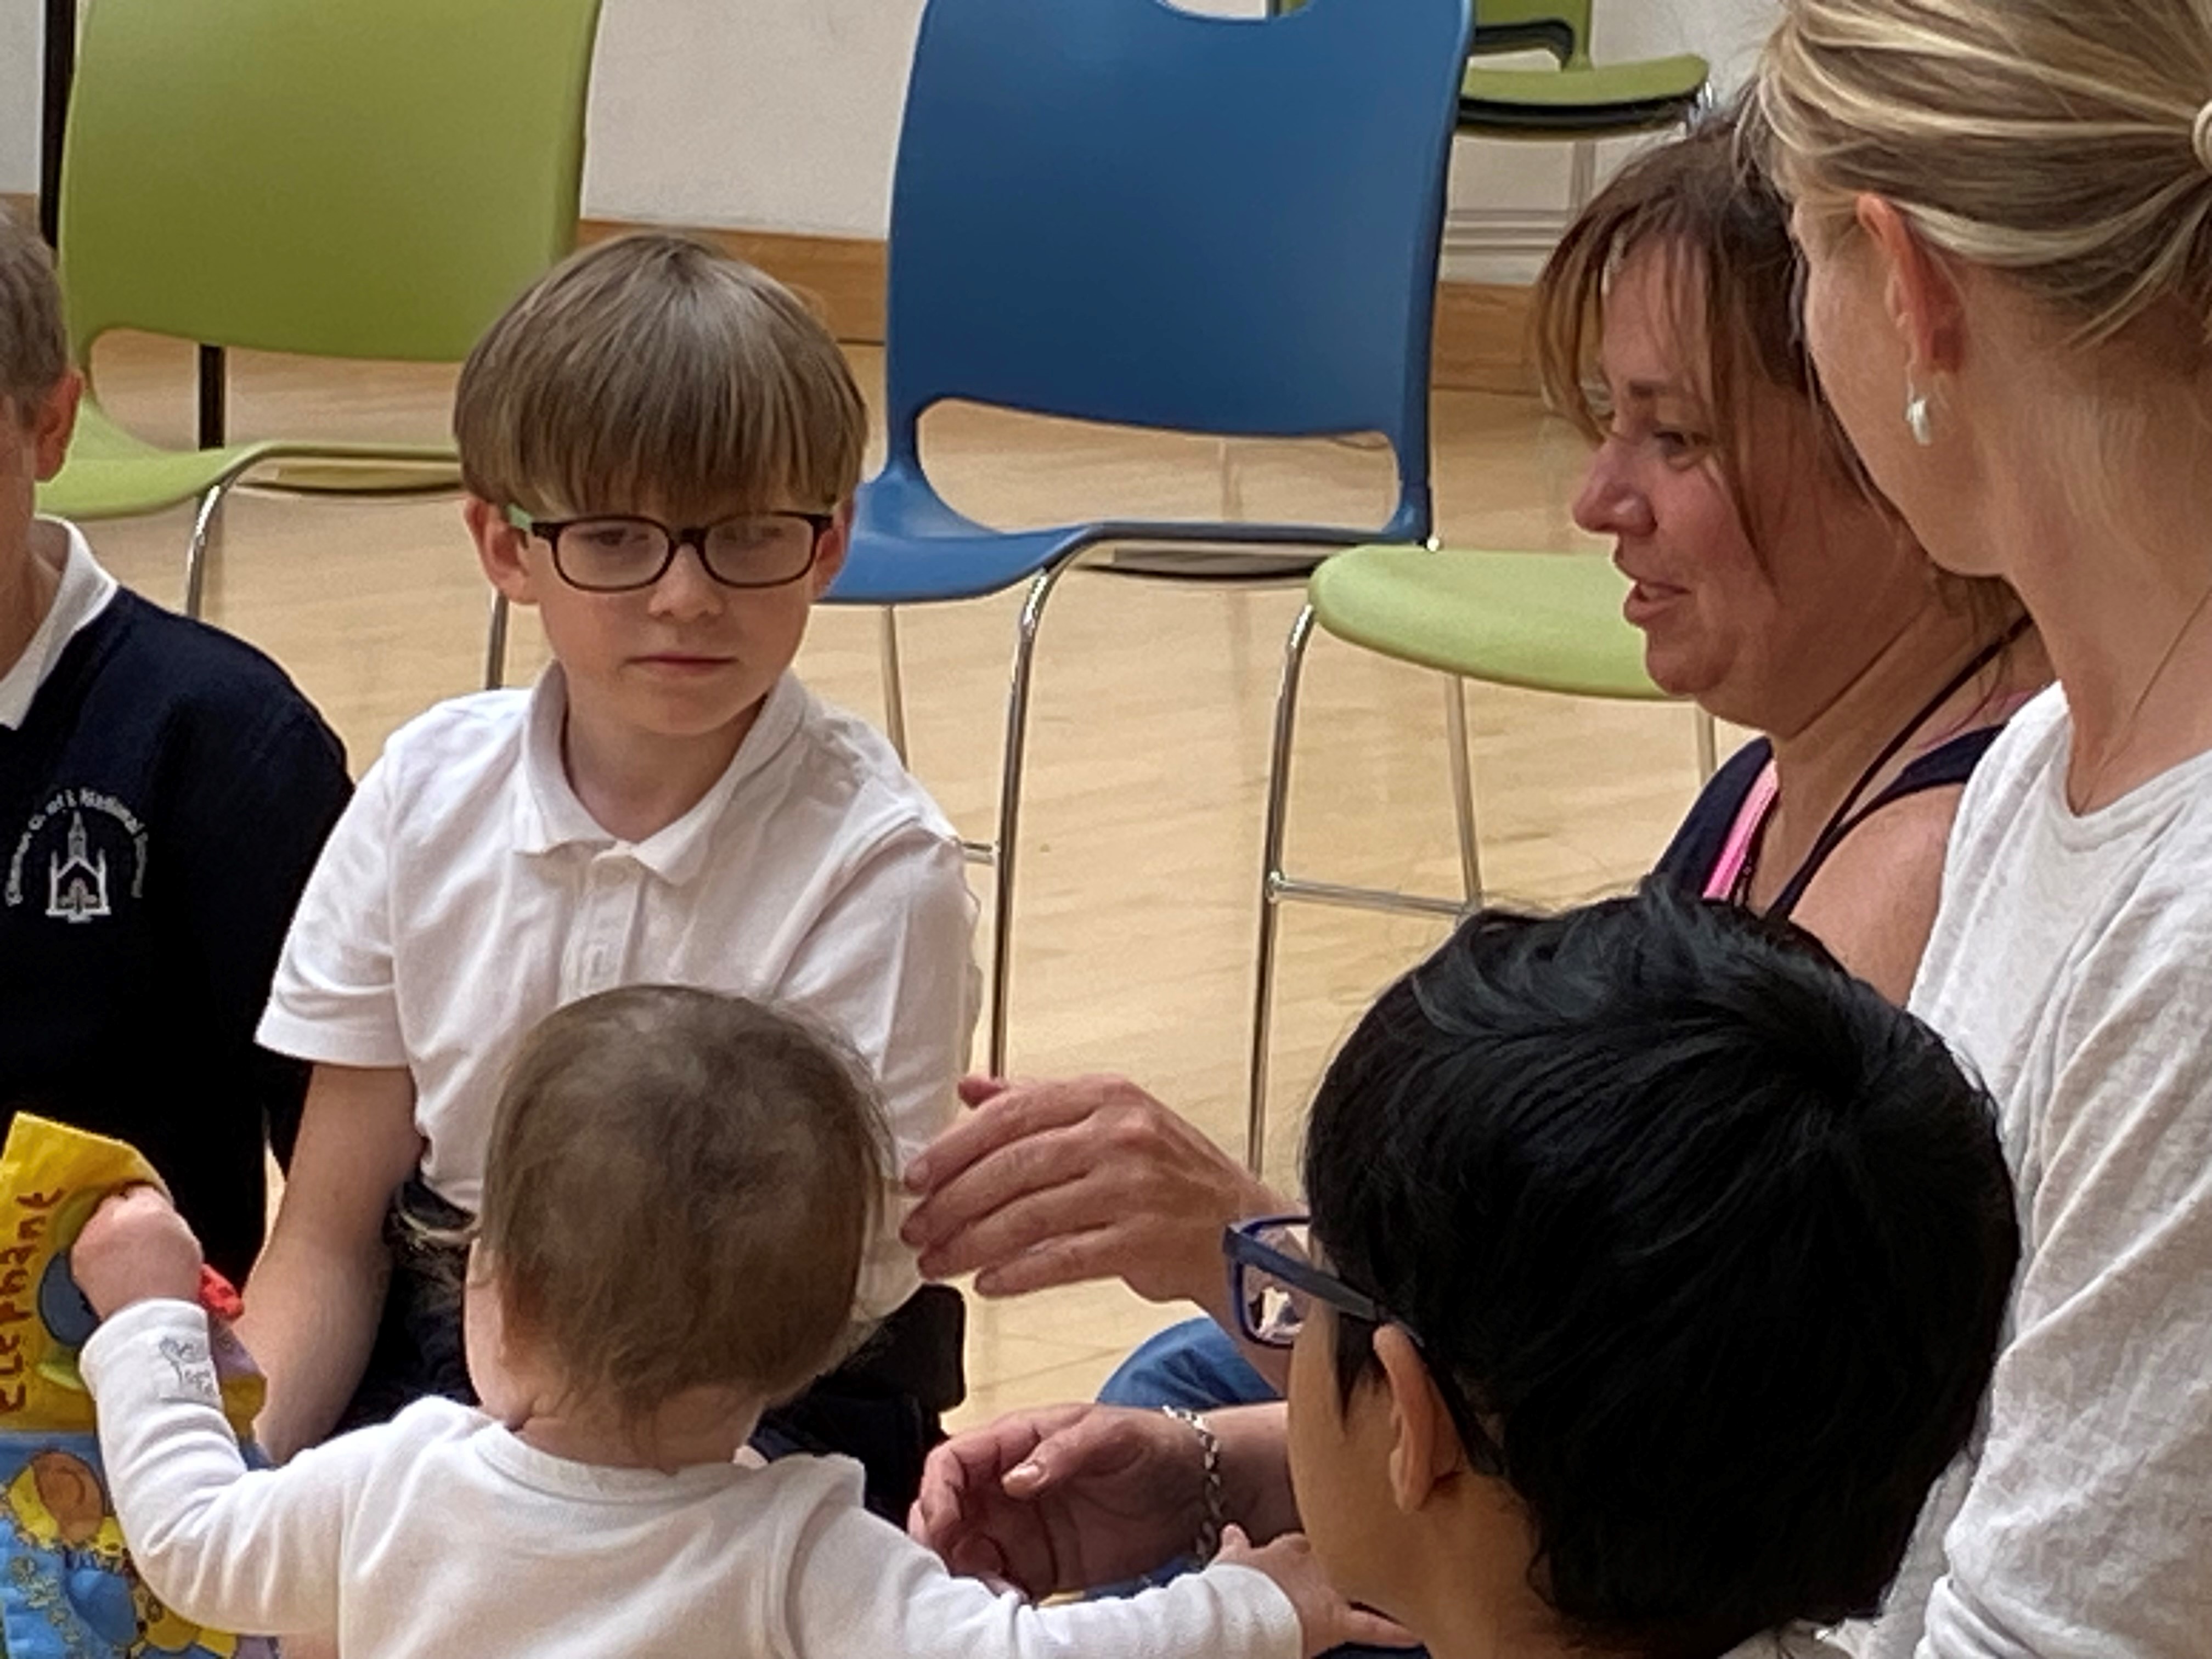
783 114
761 114
19 95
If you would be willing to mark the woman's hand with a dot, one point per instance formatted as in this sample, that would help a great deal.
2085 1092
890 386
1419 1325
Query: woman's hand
135 1249
1066 1498
1055 1183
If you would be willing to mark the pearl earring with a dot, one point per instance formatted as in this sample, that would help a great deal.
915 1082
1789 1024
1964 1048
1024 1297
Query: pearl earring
1918 419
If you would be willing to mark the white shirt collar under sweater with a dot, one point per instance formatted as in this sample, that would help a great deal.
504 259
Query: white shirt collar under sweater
84 593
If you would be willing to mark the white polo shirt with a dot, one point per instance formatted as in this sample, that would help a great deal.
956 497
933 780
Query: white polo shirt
467 893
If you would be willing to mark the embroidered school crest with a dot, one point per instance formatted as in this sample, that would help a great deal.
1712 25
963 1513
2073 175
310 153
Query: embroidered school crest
77 886
81 855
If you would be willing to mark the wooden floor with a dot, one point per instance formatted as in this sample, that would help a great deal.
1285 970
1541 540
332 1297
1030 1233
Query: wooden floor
1138 875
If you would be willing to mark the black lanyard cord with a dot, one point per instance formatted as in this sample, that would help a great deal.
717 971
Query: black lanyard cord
1849 815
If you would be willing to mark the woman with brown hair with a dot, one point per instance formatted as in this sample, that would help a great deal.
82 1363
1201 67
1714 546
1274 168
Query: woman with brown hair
1772 584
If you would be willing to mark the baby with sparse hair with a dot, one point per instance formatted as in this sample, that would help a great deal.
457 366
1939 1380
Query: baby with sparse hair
676 1214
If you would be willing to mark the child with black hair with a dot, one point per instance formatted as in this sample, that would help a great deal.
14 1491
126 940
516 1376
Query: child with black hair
1655 1270
598 1503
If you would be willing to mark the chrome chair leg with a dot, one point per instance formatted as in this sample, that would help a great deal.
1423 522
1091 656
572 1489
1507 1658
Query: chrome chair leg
1462 786
1232 487
195 550
894 685
495 644
1709 754
1009 807
1271 884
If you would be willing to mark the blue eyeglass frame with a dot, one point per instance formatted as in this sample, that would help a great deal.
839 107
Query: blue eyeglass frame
1240 1245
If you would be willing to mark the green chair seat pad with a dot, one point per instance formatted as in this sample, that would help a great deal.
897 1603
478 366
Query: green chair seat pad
1543 621
374 182
110 474
1647 81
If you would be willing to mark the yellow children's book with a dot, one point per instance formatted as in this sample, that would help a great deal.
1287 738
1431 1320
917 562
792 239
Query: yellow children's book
67 1588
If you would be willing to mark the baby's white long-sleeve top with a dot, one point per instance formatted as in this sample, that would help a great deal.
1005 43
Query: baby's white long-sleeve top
441 1533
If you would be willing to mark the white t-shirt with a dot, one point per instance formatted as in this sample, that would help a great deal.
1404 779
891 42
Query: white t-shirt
440 1533
2071 964
467 893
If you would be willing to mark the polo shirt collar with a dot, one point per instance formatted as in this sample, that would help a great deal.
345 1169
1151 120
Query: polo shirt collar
550 817
83 593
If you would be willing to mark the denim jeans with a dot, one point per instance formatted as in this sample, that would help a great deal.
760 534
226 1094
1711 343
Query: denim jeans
1195 1365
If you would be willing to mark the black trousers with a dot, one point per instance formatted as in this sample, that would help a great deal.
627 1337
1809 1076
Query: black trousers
883 1408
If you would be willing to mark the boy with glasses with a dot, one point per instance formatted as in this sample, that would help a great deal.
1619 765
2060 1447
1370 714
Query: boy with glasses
660 446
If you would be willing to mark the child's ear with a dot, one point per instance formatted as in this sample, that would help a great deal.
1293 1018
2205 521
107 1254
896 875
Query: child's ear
54 421
829 552
1424 1447
500 548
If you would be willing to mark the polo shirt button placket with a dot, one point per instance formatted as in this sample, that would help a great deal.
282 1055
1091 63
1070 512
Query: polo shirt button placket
604 921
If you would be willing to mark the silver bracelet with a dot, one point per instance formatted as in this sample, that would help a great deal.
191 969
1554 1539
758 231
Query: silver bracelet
1207 1544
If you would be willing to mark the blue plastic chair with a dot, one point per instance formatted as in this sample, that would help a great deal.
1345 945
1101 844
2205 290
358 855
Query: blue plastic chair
1117 211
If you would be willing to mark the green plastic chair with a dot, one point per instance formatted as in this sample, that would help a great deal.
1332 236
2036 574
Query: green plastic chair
1581 100
1535 621
1578 102
361 179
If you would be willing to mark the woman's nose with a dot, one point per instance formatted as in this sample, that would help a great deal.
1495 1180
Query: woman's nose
1609 503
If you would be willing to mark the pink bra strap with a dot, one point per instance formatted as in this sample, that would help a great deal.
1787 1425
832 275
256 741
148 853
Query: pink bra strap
1729 868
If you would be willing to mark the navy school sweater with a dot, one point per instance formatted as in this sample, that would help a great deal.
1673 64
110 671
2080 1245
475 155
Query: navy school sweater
159 811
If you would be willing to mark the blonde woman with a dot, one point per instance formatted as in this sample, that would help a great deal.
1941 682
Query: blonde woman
2006 208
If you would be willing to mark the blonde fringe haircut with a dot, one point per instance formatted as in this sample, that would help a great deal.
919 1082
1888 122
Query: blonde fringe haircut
2055 141
34 345
654 373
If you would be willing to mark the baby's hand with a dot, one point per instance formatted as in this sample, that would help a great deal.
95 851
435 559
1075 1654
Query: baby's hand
1325 1619
135 1248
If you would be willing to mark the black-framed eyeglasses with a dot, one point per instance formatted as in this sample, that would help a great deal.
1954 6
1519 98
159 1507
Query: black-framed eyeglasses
622 552
1274 1281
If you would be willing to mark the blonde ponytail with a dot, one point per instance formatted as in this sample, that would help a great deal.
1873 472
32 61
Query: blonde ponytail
2065 143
